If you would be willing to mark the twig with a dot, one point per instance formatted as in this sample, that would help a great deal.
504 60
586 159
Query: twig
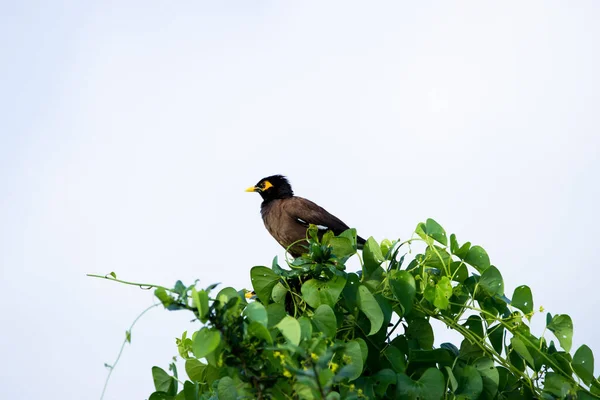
144 286
127 340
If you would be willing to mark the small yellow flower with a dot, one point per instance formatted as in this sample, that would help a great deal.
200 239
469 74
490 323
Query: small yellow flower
277 353
351 387
333 367
287 374
359 392
346 358
314 356
541 309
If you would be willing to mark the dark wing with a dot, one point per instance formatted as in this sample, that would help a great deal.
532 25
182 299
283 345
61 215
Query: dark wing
305 212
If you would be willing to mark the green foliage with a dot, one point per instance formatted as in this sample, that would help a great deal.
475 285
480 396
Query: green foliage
315 331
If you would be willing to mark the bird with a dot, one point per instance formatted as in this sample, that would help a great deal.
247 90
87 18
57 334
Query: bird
287 217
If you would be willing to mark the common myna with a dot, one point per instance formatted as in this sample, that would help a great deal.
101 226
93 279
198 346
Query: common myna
286 216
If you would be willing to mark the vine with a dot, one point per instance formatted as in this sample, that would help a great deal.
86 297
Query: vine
315 331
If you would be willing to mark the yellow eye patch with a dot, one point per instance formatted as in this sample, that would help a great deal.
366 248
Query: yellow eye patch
267 185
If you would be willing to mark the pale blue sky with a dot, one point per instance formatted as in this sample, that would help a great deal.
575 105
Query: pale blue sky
128 131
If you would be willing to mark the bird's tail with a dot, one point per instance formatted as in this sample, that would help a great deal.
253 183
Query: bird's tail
360 242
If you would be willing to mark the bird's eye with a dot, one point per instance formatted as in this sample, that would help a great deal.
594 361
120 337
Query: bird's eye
267 185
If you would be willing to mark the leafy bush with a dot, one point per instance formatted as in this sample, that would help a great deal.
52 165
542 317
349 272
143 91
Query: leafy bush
315 331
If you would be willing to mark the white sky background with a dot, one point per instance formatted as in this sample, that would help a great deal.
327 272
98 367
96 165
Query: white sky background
129 132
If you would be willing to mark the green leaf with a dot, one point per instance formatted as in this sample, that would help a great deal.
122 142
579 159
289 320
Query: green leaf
229 298
349 234
214 373
344 245
458 271
257 312
354 361
496 336
563 361
489 376
205 342
459 251
395 357
522 350
385 246
369 306
420 330
162 295
562 327
290 329
160 396
474 324
163 382
275 313
491 282
258 330
195 369
429 292
279 293
180 288
191 391
364 349
437 258
443 291
523 300
226 389
557 385
374 280
585 395
200 298
350 292
383 379
437 356
430 386
421 230
453 244
595 388
372 257
332 396
404 289
583 364
452 382
470 351
263 281
507 381
478 258
278 270
325 321
470 383
305 328
436 231
316 292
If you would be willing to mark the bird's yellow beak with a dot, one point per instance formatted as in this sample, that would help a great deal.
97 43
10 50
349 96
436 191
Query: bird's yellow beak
252 189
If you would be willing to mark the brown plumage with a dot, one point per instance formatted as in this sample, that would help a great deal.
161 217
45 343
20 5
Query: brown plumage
286 216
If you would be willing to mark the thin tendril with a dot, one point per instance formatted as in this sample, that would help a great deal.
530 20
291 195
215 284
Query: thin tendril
111 368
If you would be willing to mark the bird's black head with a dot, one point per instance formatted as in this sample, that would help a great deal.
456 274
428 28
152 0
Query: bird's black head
272 187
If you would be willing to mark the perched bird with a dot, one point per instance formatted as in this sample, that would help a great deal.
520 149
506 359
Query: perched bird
286 216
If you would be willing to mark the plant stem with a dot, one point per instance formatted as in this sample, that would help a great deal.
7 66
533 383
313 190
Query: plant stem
393 329
318 382
145 286
127 340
